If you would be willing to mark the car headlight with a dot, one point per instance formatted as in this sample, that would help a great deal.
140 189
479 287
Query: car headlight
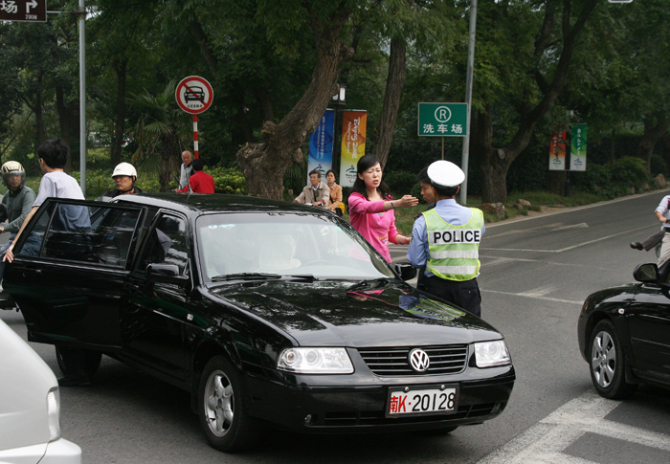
315 361
490 354
53 414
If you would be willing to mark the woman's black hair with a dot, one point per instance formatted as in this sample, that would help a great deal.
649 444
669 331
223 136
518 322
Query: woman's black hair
365 163
329 171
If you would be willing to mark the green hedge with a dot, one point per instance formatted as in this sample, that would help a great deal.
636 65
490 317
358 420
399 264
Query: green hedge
614 180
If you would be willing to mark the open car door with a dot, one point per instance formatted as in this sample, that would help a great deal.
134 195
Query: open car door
72 263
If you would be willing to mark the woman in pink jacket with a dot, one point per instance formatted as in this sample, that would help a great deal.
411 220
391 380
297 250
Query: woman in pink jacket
371 207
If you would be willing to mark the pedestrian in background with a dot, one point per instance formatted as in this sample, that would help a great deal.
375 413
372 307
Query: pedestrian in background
200 181
55 183
446 239
335 204
316 193
186 169
662 213
371 207
124 176
16 204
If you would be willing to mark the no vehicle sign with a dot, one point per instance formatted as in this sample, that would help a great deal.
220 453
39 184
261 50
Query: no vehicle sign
194 94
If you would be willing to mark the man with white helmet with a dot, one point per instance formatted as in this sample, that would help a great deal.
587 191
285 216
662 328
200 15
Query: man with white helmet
446 239
124 176
16 204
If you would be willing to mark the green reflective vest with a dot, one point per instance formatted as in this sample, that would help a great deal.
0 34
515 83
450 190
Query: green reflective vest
454 250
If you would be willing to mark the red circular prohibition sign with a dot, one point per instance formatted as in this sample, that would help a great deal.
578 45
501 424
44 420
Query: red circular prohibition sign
194 94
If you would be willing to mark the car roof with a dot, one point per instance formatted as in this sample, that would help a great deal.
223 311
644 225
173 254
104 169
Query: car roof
199 203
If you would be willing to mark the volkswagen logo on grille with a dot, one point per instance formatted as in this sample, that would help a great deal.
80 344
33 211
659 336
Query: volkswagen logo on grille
419 360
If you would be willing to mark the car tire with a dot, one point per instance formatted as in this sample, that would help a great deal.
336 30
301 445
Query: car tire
608 363
221 407
90 359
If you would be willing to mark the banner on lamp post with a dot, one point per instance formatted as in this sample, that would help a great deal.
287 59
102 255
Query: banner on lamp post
354 130
578 147
321 146
557 151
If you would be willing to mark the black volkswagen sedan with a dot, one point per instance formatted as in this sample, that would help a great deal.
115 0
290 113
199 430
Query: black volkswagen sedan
624 333
264 311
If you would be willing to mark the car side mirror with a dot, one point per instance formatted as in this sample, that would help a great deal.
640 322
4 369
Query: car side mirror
165 273
646 273
405 270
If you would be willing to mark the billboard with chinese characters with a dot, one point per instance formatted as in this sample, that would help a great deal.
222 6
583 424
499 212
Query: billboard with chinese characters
321 146
23 10
557 151
354 129
578 147
443 119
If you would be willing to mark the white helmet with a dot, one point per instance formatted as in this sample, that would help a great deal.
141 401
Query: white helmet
124 169
13 168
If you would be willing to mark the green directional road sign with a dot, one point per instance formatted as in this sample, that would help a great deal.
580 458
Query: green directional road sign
443 119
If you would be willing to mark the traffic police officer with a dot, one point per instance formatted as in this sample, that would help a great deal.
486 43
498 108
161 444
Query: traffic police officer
445 239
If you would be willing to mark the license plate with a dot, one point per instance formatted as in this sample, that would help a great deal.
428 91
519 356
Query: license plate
422 400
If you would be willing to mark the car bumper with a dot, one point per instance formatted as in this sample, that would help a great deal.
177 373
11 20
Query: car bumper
302 405
57 452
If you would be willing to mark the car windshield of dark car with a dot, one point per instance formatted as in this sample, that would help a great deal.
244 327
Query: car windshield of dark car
284 244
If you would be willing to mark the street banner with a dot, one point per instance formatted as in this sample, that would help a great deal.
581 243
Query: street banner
578 147
321 146
557 151
354 130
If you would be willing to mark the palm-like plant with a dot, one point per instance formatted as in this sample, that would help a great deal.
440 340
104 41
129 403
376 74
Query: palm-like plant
161 132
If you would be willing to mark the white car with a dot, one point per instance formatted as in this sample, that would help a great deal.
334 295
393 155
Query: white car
29 407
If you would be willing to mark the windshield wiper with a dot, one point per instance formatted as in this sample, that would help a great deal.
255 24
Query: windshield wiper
246 276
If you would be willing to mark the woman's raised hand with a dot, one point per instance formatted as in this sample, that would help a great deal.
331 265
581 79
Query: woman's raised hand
407 201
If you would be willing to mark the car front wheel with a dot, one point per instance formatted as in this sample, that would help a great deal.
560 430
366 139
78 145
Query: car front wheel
221 407
608 363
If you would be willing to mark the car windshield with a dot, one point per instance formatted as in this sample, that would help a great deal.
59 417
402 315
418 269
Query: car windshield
284 244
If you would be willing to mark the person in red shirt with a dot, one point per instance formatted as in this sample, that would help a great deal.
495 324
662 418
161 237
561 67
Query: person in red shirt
200 181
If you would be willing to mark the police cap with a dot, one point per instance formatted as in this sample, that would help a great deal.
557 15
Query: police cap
445 174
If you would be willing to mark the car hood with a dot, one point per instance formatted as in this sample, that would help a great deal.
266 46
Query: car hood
368 314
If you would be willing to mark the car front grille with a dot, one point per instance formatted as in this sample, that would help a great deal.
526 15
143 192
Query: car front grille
450 359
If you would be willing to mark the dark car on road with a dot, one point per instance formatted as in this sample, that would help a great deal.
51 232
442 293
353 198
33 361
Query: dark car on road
624 333
264 311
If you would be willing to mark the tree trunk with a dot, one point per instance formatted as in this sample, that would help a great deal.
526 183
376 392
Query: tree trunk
169 163
496 162
264 164
120 67
201 38
493 162
556 182
389 115
653 131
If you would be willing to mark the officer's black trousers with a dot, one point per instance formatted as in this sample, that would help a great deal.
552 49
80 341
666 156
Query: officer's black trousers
463 294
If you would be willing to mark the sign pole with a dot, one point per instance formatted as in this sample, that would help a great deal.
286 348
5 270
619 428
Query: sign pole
468 97
194 95
195 136
82 96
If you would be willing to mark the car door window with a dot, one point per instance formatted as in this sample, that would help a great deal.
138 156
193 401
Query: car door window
33 243
99 234
166 244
